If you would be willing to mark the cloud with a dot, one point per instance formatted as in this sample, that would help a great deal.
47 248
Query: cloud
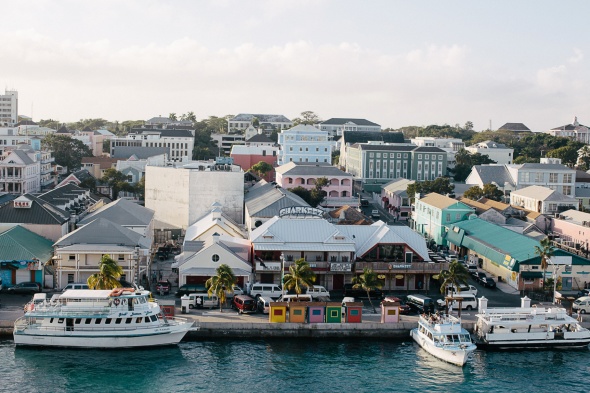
577 57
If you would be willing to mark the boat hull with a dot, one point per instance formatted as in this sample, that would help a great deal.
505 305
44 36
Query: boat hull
553 344
97 340
456 356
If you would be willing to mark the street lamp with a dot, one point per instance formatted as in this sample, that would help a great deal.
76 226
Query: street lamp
282 273
136 257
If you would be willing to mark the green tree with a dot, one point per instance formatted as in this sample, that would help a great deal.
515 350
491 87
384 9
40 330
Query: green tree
303 193
172 116
583 162
109 273
335 157
217 125
117 181
274 136
545 250
440 185
189 116
465 161
49 123
473 193
456 275
367 281
222 282
89 183
92 124
300 276
317 193
468 125
491 191
261 169
139 189
568 154
307 117
68 152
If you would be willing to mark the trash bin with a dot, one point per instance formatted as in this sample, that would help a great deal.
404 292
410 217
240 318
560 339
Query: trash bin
184 304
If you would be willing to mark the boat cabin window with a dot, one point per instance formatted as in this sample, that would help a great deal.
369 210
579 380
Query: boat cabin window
108 321
61 320
138 320
128 320
146 319
142 300
97 321
51 320
78 320
87 321
118 321
153 318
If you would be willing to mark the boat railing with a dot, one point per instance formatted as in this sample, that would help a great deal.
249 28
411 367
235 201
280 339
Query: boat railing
23 325
439 319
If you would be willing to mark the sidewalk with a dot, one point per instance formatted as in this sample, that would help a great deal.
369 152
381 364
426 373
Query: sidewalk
504 287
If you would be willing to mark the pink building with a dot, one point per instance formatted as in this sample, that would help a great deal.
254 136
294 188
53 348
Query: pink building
305 174
247 155
571 229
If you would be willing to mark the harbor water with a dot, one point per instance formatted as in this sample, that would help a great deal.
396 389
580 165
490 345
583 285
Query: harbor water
288 366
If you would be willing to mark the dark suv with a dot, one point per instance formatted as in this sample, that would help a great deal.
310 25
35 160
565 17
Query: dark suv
359 293
163 287
191 288
25 287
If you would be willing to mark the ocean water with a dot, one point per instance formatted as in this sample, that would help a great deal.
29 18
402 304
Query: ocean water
288 366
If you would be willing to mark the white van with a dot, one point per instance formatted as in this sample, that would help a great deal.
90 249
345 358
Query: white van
75 286
464 289
318 291
202 300
267 290
469 302
582 305
295 298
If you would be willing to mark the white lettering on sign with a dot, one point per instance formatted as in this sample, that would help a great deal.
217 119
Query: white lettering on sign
300 211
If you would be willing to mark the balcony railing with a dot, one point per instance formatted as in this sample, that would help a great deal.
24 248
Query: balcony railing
394 267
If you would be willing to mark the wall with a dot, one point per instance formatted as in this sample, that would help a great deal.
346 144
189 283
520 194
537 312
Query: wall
167 194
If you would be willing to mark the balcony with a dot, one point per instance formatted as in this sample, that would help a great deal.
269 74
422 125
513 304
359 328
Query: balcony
402 267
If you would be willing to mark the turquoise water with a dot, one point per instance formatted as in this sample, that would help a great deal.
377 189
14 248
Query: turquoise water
288 366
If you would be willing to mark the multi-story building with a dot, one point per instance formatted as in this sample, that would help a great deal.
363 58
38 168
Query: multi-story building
571 229
394 198
350 138
304 143
20 170
94 139
542 200
338 190
9 108
181 193
377 163
225 142
245 120
248 155
574 131
179 141
496 151
450 145
336 125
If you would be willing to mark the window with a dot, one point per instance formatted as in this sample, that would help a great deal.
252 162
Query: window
371 155
567 178
71 257
215 258
399 155
378 155
567 190
539 177
553 178
419 156
440 157
426 156
118 321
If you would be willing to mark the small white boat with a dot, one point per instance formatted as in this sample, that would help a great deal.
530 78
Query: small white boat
443 337
118 318
528 327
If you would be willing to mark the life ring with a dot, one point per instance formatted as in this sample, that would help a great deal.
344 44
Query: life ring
116 302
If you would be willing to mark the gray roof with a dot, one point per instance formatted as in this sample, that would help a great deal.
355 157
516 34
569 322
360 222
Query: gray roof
261 118
353 137
489 145
310 169
103 231
344 120
568 127
545 166
582 192
66 192
519 127
493 173
40 212
82 174
23 156
141 153
387 147
122 212
268 199
260 138
429 149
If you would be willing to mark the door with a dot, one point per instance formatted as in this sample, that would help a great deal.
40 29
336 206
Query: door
419 281
267 278
566 283
338 282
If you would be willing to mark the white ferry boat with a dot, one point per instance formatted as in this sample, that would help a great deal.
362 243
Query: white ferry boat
118 318
442 336
528 327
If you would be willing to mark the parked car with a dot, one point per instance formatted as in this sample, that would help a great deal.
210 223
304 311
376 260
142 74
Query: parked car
235 291
360 293
469 302
263 304
403 307
267 290
74 285
375 213
25 287
584 292
318 291
190 288
488 282
244 304
452 290
163 287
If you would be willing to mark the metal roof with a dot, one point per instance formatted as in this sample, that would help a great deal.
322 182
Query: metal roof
122 212
40 213
211 271
103 231
20 244
345 120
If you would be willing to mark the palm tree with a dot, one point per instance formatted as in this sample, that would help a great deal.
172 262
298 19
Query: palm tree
220 283
300 276
108 275
546 251
456 275
367 281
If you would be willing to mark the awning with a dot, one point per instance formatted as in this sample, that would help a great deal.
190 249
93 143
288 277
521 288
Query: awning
531 274
211 271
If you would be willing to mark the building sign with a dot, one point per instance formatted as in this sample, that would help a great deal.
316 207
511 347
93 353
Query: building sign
341 267
272 266
406 266
301 211
508 261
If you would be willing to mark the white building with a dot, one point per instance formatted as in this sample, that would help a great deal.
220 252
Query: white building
179 141
542 200
9 108
244 120
496 151
20 171
225 142
182 193
450 145
336 125
304 143
574 131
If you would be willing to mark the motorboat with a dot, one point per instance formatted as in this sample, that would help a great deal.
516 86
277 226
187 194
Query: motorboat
528 327
443 336
118 318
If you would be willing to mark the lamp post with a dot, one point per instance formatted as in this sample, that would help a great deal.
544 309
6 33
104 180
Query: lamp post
136 257
554 278
282 274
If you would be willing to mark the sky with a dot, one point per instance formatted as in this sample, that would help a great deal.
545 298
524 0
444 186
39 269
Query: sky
396 63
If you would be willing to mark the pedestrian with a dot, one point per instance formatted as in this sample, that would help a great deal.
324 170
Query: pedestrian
160 275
